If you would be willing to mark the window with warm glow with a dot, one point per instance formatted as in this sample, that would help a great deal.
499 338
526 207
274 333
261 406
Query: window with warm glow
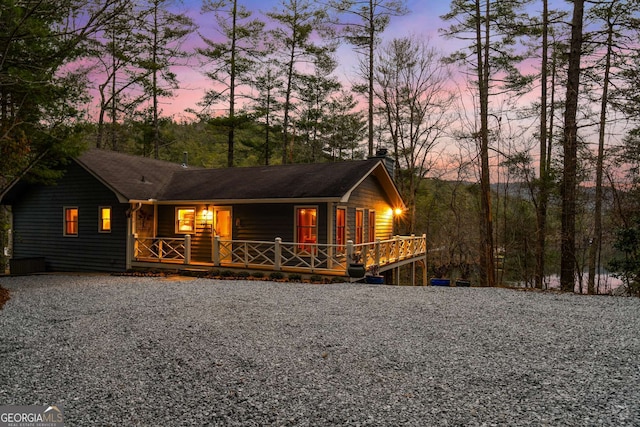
372 226
71 221
359 226
341 228
185 220
105 219
306 228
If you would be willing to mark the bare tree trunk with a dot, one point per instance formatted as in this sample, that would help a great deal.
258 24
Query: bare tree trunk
543 191
594 248
569 180
156 126
232 88
372 35
487 276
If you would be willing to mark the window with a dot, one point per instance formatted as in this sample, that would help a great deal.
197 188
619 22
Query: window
359 226
104 223
71 221
185 220
306 228
341 228
372 226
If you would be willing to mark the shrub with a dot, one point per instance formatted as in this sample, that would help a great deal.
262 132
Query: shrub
215 272
243 274
226 273
316 278
295 277
257 274
276 275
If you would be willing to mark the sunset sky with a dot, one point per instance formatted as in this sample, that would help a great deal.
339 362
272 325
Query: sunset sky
423 20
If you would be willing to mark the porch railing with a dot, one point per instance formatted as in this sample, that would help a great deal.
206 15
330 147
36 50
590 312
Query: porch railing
283 256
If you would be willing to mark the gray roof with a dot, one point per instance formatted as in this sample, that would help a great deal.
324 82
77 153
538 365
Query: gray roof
135 178
293 181
130 177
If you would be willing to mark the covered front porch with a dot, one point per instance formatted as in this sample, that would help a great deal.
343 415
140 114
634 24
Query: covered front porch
287 257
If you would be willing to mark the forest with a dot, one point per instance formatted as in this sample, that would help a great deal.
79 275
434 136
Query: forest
517 151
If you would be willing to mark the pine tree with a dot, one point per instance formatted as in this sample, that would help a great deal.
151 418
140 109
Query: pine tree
297 23
231 60
371 18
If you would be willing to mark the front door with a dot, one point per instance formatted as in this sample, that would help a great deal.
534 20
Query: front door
223 229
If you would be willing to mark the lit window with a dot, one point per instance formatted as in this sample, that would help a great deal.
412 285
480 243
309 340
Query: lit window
372 226
359 226
104 224
185 220
341 228
70 221
306 228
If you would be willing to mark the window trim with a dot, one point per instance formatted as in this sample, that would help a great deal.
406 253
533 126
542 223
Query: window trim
101 228
341 246
177 219
359 231
300 246
371 231
66 223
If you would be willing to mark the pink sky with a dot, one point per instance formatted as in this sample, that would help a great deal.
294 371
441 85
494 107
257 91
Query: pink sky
423 19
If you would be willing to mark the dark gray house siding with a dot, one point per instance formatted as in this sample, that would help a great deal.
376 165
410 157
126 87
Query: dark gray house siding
266 222
38 224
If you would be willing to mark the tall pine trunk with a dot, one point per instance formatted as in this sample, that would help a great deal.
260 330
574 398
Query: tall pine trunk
569 178
487 276
543 184
594 248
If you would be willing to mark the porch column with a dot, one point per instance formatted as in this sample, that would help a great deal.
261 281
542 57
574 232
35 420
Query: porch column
277 254
215 249
187 249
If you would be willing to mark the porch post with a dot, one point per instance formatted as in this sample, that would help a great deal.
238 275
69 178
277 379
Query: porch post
277 254
349 251
377 252
187 249
215 249
397 245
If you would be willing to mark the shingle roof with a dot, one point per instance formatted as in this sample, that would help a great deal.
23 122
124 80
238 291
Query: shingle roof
295 181
133 177
141 178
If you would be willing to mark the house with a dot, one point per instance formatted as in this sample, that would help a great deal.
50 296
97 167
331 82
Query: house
112 211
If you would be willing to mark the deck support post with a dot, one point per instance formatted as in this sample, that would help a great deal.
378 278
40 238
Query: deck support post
277 264
187 249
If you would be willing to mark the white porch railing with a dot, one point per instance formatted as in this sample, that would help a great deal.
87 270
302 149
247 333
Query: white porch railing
163 249
283 256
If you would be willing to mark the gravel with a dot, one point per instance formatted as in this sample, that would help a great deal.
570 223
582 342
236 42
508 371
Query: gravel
151 351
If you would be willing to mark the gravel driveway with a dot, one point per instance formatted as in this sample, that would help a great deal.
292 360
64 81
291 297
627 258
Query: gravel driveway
149 351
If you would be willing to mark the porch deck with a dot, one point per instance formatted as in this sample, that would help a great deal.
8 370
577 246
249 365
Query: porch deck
300 258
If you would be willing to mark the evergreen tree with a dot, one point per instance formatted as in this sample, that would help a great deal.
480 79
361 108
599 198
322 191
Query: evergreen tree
159 40
298 23
371 18
492 29
41 83
232 60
